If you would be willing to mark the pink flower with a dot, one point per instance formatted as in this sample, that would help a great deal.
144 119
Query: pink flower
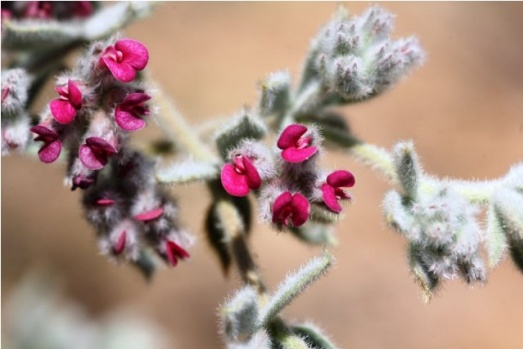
52 147
174 252
128 113
295 147
239 178
95 153
290 208
149 215
119 245
38 9
5 93
124 59
332 191
64 108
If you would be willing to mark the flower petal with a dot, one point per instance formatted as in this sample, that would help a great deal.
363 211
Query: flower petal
300 210
296 155
174 251
44 133
128 121
134 53
253 177
102 144
62 111
341 178
233 182
330 199
281 209
290 136
121 71
105 202
75 95
135 99
149 215
49 152
119 246
92 160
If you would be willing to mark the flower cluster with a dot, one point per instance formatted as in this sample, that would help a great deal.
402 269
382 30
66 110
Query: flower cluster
99 103
287 181
47 9
130 211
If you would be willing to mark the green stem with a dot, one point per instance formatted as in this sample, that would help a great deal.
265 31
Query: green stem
176 128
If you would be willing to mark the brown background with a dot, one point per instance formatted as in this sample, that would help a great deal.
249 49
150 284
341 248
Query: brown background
463 109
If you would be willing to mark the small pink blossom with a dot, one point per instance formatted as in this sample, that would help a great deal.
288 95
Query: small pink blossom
149 215
64 108
38 9
175 252
83 180
332 189
119 245
52 147
5 93
128 113
240 177
290 208
95 153
295 147
124 59
105 202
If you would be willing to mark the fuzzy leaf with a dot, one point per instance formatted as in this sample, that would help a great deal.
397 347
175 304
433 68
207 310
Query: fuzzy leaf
217 238
145 264
315 234
31 34
395 214
495 238
313 336
407 167
275 93
187 171
425 278
509 206
295 284
239 316
243 127
516 252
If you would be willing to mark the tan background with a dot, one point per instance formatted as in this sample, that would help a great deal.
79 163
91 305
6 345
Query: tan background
463 109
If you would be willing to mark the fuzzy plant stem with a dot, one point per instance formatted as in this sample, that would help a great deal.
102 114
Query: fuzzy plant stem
177 128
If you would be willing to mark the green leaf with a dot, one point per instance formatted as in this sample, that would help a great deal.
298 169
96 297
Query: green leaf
407 167
145 264
295 284
315 234
33 35
240 128
425 278
495 238
313 336
516 252
217 238
239 315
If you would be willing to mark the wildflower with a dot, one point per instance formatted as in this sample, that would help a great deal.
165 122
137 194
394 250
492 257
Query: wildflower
288 207
119 245
124 59
239 178
127 114
332 189
65 107
295 147
175 252
52 147
95 153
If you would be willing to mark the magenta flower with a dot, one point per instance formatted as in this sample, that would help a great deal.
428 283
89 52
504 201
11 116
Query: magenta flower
124 59
5 93
119 246
240 177
128 113
332 191
95 153
38 9
290 208
52 147
64 108
295 147
175 252
149 215
83 181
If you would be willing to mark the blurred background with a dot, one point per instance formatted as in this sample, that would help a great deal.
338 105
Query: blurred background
463 108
